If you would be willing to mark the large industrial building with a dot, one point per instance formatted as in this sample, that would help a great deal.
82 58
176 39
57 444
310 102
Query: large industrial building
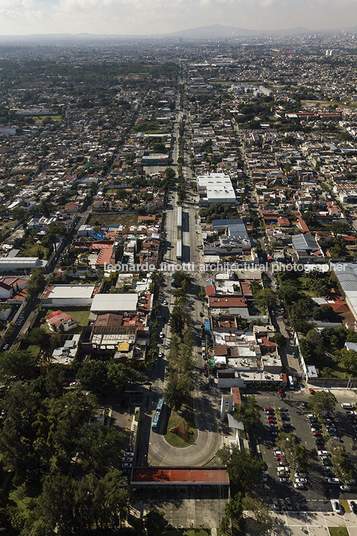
68 295
215 188
346 274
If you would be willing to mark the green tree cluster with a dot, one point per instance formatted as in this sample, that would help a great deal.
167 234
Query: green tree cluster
103 376
180 367
248 412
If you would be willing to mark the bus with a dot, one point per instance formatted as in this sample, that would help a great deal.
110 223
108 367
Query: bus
156 419
291 382
179 250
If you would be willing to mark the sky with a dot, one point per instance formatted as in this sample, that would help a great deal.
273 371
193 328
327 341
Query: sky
147 17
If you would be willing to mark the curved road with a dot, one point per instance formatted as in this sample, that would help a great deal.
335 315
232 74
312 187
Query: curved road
207 443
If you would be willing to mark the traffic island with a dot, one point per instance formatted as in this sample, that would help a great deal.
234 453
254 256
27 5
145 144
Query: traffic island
181 431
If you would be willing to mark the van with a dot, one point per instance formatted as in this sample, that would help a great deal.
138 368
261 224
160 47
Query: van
345 405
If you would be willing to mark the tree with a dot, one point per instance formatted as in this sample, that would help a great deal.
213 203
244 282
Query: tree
16 363
100 448
40 337
265 298
155 522
280 340
289 293
93 376
35 284
261 520
117 374
248 413
242 467
347 361
234 509
177 320
321 401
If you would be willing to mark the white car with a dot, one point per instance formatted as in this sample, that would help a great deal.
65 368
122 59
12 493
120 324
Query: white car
322 453
345 488
301 480
300 475
165 302
162 336
336 507
298 485
333 481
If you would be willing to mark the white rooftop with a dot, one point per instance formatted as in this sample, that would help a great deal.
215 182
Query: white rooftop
69 291
114 302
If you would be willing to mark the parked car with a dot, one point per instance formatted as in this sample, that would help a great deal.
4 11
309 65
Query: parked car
317 433
301 480
322 453
288 503
333 481
353 506
282 408
276 504
300 475
311 391
162 335
344 487
346 405
336 507
265 478
161 355
127 465
284 480
269 409
298 485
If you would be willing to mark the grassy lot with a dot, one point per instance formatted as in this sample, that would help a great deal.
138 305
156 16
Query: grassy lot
80 316
177 440
6 225
105 220
32 251
338 531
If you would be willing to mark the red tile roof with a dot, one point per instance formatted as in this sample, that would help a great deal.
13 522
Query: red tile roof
220 349
171 475
227 301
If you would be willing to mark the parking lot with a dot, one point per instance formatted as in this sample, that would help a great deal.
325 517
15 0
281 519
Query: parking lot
316 494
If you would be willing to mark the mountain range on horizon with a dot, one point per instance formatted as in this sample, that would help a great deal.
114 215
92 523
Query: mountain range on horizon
214 31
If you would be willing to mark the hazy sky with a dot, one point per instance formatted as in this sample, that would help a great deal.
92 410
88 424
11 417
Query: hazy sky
126 17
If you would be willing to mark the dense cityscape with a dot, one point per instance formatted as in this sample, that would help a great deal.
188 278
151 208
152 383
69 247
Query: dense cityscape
178 285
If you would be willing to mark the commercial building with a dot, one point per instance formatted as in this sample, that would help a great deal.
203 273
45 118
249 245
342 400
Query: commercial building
13 264
215 188
346 274
115 303
68 295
